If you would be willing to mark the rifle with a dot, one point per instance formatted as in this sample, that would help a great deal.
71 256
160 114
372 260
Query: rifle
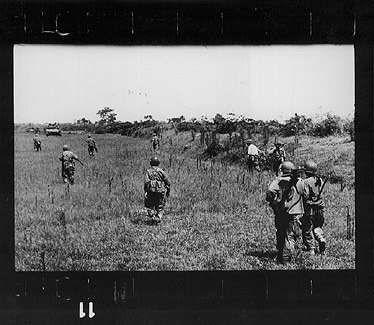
96 149
79 161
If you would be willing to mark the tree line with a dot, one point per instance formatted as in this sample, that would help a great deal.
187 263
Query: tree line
231 124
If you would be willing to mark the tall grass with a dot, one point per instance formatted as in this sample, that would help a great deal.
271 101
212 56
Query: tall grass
216 217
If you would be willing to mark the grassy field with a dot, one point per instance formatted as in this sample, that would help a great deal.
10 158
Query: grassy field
216 217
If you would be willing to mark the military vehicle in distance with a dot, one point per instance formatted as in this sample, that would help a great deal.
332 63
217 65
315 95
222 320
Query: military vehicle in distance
53 129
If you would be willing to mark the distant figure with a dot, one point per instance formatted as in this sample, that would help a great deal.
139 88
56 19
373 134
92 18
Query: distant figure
285 196
68 164
278 156
313 204
252 155
37 143
91 145
155 141
156 188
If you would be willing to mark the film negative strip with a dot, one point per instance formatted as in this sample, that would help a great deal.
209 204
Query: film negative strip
215 295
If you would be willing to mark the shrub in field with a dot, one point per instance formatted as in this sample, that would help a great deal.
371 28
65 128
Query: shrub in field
331 125
216 216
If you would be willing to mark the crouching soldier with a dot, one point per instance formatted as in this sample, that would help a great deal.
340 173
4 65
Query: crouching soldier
313 204
285 197
68 164
37 143
91 145
156 188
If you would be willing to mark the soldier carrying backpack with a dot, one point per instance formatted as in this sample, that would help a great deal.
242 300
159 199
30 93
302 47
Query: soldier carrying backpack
156 188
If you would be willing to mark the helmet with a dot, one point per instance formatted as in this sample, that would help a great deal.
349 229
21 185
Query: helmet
65 147
310 167
287 168
248 141
154 134
154 161
89 135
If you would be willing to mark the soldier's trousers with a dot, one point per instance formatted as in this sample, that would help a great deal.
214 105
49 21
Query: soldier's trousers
155 201
287 226
253 163
276 166
68 174
307 232
91 150
318 220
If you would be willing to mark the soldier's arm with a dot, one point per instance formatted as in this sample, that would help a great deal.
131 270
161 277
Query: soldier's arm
146 181
272 191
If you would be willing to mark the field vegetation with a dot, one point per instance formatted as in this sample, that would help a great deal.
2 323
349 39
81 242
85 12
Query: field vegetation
216 217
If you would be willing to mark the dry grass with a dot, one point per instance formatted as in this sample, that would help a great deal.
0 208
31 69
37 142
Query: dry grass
216 217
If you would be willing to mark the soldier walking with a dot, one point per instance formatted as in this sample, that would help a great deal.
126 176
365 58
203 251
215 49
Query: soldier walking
91 145
278 156
252 156
285 197
313 205
156 188
37 143
68 164
155 141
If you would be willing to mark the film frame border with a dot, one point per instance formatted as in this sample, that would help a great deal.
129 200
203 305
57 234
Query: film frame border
239 295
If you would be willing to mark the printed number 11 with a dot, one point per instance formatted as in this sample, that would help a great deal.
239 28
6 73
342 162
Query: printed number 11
82 314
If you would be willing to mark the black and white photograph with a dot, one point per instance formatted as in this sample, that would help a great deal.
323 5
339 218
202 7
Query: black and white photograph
184 158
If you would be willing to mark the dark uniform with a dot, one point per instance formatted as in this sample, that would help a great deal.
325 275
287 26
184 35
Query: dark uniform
68 164
37 143
285 196
278 157
156 188
91 146
155 142
314 206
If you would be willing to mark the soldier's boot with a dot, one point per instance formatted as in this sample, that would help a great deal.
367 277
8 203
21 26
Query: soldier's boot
318 233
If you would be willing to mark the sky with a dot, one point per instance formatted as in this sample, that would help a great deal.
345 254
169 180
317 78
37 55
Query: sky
56 83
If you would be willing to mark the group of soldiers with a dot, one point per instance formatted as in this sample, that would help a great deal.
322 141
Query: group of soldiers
294 196
297 203
277 155
68 157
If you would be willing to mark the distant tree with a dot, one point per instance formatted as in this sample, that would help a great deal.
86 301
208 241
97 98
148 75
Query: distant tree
107 115
331 125
83 121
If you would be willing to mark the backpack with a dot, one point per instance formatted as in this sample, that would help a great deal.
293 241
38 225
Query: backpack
156 183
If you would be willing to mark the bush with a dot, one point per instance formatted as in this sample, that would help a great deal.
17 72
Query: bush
332 125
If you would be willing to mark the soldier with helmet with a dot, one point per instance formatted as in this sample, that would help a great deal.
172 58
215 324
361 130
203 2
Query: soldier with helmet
156 188
155 141
278 156
68 164
285 196
91 145
37 143
313 204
